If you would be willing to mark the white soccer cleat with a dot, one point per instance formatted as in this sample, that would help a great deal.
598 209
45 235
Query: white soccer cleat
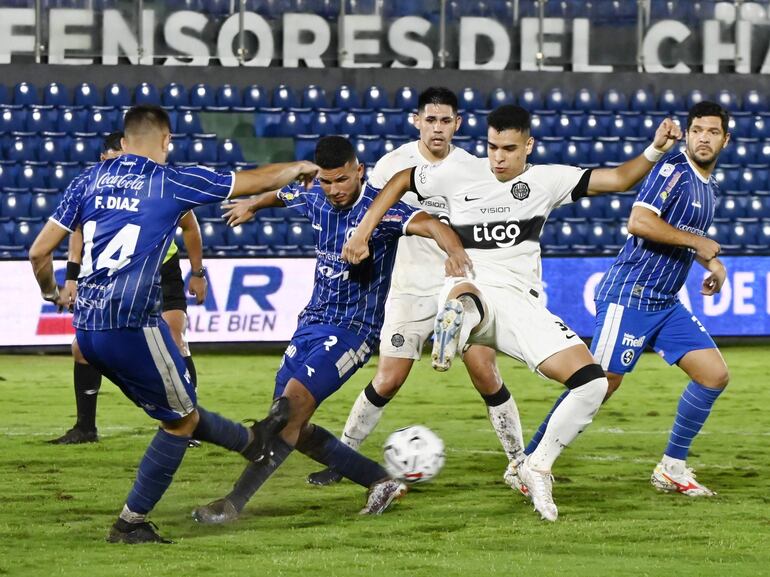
511 477
670 480
446 334
539 486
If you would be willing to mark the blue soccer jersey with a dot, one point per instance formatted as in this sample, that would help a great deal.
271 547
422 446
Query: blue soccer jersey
347 296
128 208
648 275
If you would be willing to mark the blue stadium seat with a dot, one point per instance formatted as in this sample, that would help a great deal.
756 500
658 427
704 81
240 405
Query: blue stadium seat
189 123
619 207
571 233
178 149
346 97
480 148
213 233
614 101
719 231
762 152
12 119
202 151
386 122
500 96
694 97
33 175
470 99
641 100
229 151
648 124
272 233
763 236
600 235
146 93
464 142
473 125
293 123
285 97
728 100
624 125
376 97
41 119
368 148
25 93
256 97
755 101
740 126
71 121
267 121
56 94
585 100
9 174
242 235
83 150
406 98
22 147
591 208
727 177
530 99
548 150
15 204
86 94
53 149
229 96
300 233
323 124
744 233
62 174
542 125
25 231
758 207
604 151
103 121
760 128
556 99
304 146
202 96
117 95
731 207
567 125
314 97
43 205
175 95
751 180
669 101
576 151
354 123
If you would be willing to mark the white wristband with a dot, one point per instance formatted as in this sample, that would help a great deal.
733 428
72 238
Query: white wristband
653 154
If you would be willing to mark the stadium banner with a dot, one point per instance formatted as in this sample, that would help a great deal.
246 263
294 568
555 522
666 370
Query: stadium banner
178 38
253 300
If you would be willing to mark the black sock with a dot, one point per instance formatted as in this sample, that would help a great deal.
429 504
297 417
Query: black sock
191 368
320 445
255 474
498 398
374 397
87 379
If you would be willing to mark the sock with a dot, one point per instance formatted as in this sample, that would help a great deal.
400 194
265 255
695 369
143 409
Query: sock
156 471
129 516
216 429
504 416
320 445
188 361
693 410
255 474
364 416
471 317
87 381
568 420
535 441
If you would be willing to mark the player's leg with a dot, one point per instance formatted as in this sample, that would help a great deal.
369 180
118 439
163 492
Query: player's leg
87 380
461 313
174 312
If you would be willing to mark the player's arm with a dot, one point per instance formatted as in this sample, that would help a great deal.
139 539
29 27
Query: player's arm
244 210
713 282
193 243
458 262
644 223
272 177
623 177
74 258
41 257
356 249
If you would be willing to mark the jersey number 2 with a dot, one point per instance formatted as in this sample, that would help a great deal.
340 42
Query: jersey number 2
124 241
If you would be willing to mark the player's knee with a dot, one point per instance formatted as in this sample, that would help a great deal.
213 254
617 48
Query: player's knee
184 427
613 384
387 383
717 379
589 382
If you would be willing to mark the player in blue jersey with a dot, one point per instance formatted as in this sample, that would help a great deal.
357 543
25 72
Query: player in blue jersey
128 208
636 300
340 325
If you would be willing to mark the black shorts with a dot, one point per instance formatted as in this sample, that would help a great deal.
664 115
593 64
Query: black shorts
172 286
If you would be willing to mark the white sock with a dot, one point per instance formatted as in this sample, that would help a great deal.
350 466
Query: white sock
362 420
471 319
674 465
130 517
574 414
506 423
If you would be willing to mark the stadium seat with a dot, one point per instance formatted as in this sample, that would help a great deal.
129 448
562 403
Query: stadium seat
284 97
103 121
751 180
86 94
323 124
33 175
576 151
15 204
619 207
267 121
500 96
13 119
624 125
591 208
71 121
614 101
354 123
213 233
178 149
758 207
314 97
669 101
755 101
694 97
743 233
731 207
567 126
530 99
383 123
174 95
368 148
25 231
62 174
22 147
346 97
556 99
41 119
53 149
375 98
83 150
56 94
480 148
202 151
256 97
641 100
406 98
541 126
25 93
229 151
272 233
470 99
9 174
728 100
570 234
585 100
300 233
473 125
293 123
43 205
760 128
604 151
229 96
242 235
189 123
304 146
548 150
117 95
146 93
740 126
201 96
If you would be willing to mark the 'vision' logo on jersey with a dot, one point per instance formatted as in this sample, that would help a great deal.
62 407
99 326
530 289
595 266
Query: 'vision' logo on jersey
125 181
500 234
630 340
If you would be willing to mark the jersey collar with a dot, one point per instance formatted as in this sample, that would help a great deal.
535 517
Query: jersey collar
702 178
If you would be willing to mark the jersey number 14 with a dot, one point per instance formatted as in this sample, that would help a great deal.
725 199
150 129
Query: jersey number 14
123 243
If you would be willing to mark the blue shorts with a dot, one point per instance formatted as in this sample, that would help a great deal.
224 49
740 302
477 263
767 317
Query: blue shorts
621 334
147 366
322 358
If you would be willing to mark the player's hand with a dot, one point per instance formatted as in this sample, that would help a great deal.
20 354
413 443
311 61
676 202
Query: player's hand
458 264
713 282
706 249
666 135
197 287
238 212
307 172
356 249
67 295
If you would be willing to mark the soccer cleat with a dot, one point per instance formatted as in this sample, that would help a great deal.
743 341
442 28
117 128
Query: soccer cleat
75 436
511 477
446 334
539 486
381 495
135 533
216 513
265 430
323 478
664 479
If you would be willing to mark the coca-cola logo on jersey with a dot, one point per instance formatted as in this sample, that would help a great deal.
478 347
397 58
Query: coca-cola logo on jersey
500 234
125 181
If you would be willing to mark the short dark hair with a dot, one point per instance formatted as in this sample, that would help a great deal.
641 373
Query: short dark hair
112 142
509 117
708 108
334 152
437 95
144 117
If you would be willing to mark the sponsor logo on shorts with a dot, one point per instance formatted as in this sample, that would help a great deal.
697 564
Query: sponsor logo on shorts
630 340
520 190
627 357
397 340
291 350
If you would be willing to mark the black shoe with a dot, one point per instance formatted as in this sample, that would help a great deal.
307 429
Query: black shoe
75 436
133 533
323 478
216 513
193 444
265 430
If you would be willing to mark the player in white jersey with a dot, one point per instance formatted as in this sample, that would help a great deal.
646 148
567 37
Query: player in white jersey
498 207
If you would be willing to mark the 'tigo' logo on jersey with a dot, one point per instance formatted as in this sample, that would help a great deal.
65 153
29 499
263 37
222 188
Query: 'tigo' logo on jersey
504 235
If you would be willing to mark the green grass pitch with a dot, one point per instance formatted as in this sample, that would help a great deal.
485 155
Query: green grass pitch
57 503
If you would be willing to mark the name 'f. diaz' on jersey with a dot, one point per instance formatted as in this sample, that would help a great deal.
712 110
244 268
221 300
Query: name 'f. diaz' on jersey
347 296
128 208
648 275
419 268
500 222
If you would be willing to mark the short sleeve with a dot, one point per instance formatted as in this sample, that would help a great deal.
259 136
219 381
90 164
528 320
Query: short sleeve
567 183
397 218
381 173
294 198
67 214
430 179
659 187
196 185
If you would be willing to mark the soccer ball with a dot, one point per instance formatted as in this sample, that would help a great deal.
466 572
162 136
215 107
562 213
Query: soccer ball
414 454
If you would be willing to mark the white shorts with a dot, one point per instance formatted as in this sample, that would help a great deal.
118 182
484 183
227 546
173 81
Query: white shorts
517 323
408 324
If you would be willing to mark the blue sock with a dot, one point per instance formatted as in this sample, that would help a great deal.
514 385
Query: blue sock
536 438
320 445
693 410
156 471
216 429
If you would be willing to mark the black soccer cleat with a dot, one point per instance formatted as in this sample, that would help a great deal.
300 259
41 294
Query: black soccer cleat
264 431
75 436
216 513
324 478
134 533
